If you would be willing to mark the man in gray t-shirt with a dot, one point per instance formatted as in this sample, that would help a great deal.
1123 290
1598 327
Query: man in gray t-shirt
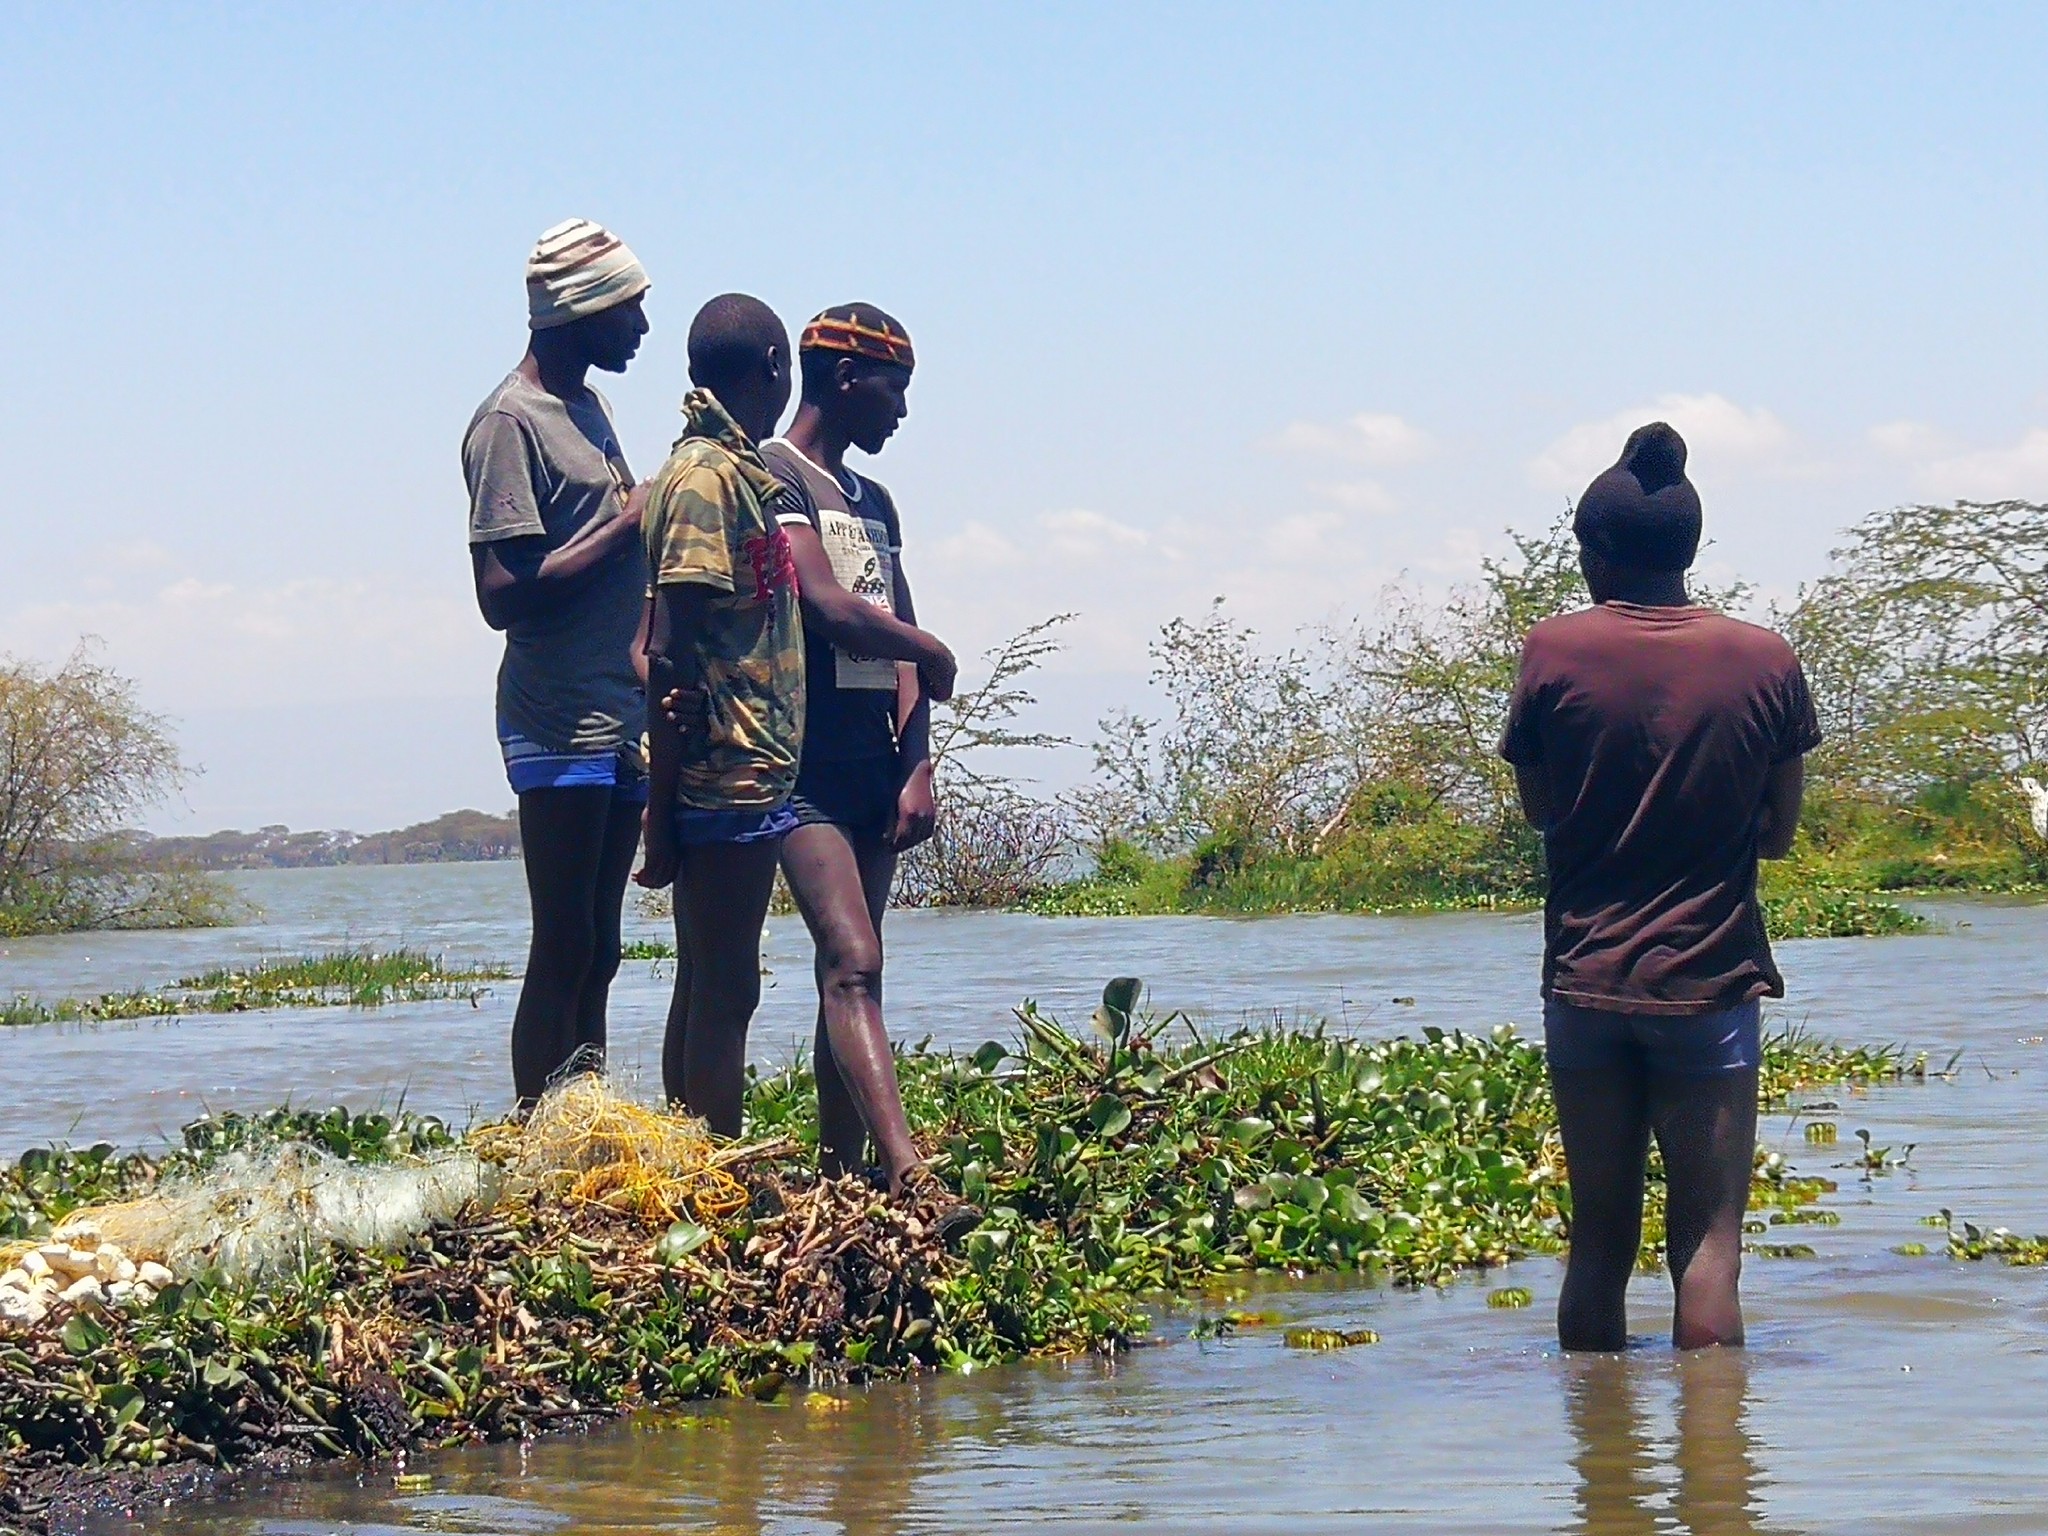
549 469
554 540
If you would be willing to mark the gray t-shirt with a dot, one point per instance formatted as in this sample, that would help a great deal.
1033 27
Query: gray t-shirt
539 467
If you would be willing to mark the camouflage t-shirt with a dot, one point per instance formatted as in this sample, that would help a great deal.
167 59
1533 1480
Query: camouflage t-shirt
708 522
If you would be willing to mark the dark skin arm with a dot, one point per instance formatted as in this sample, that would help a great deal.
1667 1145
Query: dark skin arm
917 811
642 638
1778 822
1535 793
858 626
677 618
522 578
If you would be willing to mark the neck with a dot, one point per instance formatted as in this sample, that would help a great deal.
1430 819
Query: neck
561 376
814 437
1648 589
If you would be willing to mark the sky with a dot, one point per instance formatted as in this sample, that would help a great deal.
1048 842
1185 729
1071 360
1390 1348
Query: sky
1277 304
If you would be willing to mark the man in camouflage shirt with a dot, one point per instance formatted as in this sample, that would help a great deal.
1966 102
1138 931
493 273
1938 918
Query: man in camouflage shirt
726 643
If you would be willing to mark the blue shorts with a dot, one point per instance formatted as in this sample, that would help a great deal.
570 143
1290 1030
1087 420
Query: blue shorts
1579 1039
529 765
695 828
859 795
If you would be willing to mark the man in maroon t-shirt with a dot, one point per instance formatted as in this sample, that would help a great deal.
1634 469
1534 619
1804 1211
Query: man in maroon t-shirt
1658 747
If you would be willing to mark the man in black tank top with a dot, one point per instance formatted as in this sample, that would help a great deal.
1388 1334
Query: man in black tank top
864 792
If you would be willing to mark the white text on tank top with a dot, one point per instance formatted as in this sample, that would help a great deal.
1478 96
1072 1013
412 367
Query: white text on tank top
858 548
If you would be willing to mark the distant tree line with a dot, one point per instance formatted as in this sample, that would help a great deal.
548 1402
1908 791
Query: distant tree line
1357 767
1354 768
457 837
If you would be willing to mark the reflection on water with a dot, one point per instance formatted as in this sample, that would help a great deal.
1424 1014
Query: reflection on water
1646 1465
1881 1393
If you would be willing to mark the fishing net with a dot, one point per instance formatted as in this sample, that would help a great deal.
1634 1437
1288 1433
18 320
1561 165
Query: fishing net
268 1211
588 1145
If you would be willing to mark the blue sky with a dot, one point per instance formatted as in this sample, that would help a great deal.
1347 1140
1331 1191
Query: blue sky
1275 303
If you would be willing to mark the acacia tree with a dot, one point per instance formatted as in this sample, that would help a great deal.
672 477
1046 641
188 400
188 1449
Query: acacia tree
78 758
1242 756
1927 648
995 845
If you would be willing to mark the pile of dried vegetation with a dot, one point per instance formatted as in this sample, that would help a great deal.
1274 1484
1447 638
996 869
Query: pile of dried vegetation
613 1257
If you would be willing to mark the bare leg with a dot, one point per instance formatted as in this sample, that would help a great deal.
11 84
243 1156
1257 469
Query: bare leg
1603 1117
562 832
721 901
615 863
676 1037
825 875
1706 1129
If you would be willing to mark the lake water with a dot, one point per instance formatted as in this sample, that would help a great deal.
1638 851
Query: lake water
1880 1393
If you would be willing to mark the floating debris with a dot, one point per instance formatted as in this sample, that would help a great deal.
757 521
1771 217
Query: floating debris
1781 1250
1329 1338
607 1257
1509 1297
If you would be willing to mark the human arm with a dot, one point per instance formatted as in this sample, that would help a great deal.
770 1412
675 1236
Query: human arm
854 624
1521 743
517 575
1534 790
641 638
1778 821
676 616
917 811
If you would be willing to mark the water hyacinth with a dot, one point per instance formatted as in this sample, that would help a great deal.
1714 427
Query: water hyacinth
1134 1162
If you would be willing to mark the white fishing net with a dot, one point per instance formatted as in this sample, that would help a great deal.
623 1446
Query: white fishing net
266 1212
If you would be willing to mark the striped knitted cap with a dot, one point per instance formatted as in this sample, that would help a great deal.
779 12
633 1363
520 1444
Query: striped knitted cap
576 269
863 331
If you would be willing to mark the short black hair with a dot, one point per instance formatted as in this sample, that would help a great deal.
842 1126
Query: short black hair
730 341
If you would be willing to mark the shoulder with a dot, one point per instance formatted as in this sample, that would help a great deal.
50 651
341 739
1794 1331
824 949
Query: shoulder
1765 648
504 409
1563 633
697 468
880 504
787 466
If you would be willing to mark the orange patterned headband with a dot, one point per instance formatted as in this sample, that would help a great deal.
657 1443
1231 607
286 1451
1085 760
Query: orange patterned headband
833 333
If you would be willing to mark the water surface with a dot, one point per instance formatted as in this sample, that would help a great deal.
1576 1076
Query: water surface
1880 1393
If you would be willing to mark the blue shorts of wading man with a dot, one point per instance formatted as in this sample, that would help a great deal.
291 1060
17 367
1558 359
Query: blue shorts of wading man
1657 745
1703 1045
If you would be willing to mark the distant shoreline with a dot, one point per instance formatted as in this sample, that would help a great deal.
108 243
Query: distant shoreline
458 837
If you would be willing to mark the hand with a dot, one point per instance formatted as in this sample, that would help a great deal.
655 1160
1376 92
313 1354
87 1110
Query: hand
917 811
664 854
686 710
939 673
635 508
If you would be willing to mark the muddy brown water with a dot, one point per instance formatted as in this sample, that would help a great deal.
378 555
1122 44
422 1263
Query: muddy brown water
1880 1393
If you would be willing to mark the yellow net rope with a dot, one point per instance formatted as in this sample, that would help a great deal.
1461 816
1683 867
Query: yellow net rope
586 1145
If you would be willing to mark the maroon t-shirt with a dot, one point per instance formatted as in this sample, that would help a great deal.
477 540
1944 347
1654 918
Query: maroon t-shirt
1655 731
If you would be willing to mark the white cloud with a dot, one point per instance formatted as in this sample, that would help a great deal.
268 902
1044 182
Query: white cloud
1991 474
1910 440
977 547
191 643
1370 437
1086 535
1357 495
1718 432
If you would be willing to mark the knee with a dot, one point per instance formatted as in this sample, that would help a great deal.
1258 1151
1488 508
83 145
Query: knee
728 982
566 940
854 965
604 959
